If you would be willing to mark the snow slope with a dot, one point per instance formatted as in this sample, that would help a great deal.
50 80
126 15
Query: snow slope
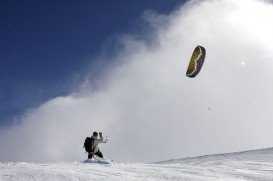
249 165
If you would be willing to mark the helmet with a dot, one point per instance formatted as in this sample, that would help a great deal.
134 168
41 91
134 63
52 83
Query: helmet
95 133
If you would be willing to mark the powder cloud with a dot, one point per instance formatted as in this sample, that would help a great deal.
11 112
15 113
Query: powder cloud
147 106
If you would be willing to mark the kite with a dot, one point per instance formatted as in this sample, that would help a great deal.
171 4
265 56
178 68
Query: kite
196 61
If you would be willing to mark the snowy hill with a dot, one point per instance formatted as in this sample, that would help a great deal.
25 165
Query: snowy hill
248 165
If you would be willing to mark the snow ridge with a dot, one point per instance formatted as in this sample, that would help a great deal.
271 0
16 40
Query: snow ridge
248 165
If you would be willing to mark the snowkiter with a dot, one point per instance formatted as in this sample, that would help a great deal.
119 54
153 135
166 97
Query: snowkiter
91 145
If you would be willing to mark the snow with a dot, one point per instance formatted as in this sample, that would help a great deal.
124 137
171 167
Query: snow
249 165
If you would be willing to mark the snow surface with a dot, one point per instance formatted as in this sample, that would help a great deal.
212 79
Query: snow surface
249 165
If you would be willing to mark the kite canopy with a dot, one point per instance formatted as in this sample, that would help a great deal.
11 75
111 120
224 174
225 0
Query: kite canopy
196 62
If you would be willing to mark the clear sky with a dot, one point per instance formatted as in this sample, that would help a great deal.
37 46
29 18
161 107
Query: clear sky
44 44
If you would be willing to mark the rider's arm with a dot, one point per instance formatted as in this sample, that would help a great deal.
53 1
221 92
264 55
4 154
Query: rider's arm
101 140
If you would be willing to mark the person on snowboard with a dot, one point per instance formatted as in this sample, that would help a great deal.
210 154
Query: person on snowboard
91 145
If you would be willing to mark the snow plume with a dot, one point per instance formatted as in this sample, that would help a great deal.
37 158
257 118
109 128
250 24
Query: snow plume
147 105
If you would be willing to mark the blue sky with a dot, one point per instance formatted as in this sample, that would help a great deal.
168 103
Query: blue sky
44 44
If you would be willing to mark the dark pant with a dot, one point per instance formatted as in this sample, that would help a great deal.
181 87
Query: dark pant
98 153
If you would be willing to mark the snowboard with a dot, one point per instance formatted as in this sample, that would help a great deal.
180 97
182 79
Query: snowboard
98 160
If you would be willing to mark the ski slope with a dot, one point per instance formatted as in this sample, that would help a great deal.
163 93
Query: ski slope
249 165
